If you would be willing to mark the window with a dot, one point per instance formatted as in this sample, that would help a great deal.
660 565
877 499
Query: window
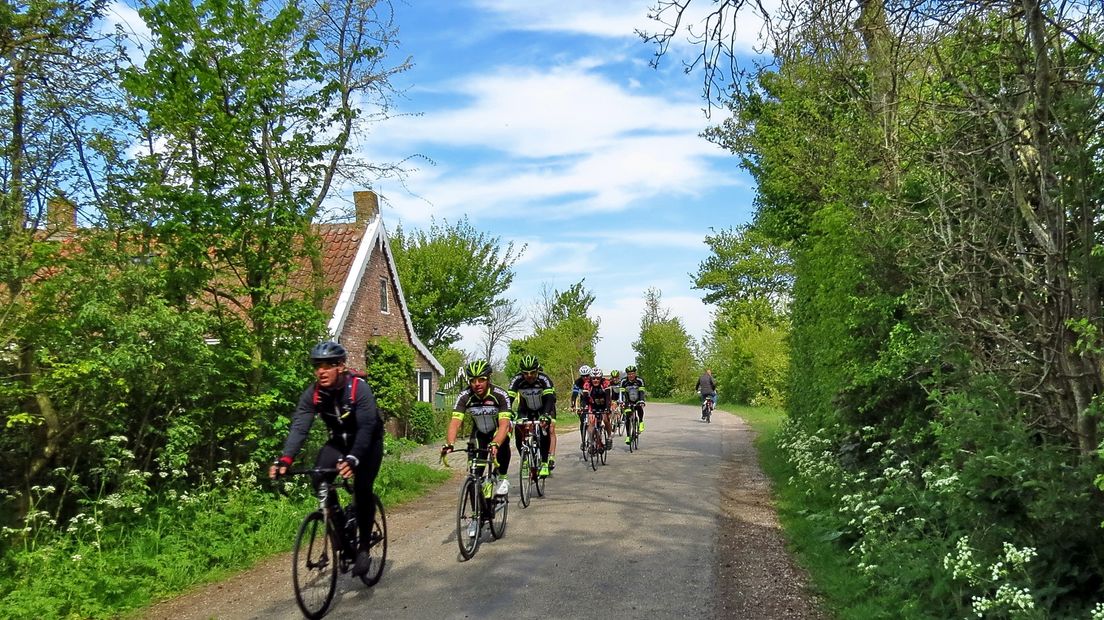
383 296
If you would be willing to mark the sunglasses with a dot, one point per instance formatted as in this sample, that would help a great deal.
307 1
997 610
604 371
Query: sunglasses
326 365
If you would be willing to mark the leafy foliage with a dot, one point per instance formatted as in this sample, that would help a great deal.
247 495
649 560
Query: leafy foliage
663 350
452 275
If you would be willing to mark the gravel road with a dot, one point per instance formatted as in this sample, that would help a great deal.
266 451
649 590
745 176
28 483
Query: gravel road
683 528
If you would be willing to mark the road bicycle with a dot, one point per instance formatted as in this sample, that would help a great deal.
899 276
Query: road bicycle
327 545
707 408
632 426
598 442
616 419
529 460
478 504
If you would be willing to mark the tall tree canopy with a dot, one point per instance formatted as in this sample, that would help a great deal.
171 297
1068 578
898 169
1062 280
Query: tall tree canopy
452 275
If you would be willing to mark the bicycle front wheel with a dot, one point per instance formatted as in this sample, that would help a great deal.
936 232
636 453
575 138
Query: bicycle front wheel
498 505
525 477
377 546
540 479
314 566
592 451
468 519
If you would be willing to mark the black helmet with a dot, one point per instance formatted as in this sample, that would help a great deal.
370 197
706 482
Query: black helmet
328 351
529 363
630 368
477 368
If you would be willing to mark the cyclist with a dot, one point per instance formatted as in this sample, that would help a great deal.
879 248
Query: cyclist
348 407
537 402
581 384
615 390
489 408
707 387
598 399
632 395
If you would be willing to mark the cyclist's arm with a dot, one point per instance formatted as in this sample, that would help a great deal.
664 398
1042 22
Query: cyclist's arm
301 422
503 432
457 416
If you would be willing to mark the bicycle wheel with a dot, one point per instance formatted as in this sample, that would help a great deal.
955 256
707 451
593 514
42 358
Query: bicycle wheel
539 482
592 451
525 477
377 546
606 445
468 518
314 566
630 423
498 506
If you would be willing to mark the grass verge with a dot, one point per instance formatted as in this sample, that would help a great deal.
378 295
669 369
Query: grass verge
110 568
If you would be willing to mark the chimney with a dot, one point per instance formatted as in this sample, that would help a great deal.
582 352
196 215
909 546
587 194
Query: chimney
366 204
61 215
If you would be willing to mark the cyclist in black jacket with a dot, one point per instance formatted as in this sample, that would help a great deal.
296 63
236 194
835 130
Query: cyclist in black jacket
632 395
348 407
535 396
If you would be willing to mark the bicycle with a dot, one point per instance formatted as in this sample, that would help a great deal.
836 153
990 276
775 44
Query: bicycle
529 465
327 544
598 441
632 425
707 408
478 503
616 419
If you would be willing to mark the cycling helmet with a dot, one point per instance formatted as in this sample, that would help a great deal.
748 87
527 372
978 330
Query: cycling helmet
328 351
615 374
477 368
596 373
529 363
584 370
630 368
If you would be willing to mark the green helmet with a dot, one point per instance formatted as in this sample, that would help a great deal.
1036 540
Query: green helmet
630 368
477 368
615 373
529 363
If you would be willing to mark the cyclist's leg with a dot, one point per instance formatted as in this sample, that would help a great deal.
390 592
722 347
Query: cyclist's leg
327 458
363 484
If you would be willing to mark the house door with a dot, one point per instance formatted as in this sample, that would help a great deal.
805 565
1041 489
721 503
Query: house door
425 387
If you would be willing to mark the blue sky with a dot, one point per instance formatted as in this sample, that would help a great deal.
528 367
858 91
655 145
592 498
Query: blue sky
547 127
544 124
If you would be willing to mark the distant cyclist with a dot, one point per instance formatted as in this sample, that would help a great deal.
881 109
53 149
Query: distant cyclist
632 395
347 406
489 408
536 398
597 400
582 383
707 387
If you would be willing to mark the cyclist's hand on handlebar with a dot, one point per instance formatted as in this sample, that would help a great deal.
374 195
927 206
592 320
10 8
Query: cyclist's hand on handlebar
279 467
445 449
344 469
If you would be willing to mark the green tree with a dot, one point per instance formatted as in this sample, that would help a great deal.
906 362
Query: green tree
452 275
664 353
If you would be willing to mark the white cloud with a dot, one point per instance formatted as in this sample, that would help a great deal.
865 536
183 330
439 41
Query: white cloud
621 19
557 141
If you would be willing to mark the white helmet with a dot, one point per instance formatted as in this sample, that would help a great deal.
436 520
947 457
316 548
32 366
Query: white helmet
596 373
584 370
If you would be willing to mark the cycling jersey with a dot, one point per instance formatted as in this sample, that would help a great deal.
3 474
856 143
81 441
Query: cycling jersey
632 391
598 398
535 397
486 411
354 424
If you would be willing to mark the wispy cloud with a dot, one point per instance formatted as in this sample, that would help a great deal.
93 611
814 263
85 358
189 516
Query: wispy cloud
622 19
555 139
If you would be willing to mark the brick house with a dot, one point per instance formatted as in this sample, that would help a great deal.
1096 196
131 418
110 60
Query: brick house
366 301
